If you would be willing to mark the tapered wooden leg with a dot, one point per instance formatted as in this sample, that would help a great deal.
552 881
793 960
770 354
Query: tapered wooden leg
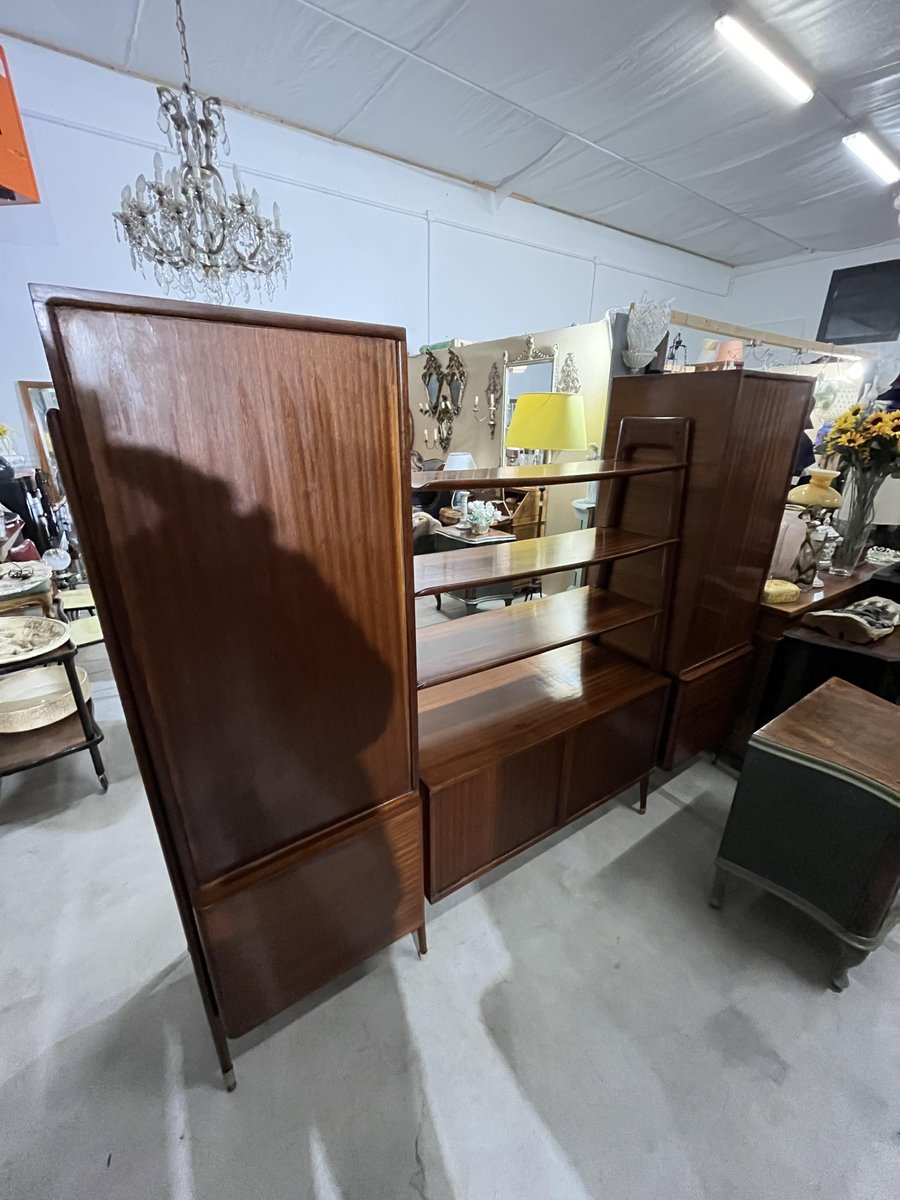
717 894
422 941
437 601
849 956
645 787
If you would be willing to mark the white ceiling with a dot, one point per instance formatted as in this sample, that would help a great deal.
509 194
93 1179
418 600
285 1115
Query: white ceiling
629 112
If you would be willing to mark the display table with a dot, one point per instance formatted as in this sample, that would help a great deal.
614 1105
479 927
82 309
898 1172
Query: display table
451 539
772 622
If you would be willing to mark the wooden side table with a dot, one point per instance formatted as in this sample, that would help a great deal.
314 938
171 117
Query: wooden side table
20 751
816 816
772 622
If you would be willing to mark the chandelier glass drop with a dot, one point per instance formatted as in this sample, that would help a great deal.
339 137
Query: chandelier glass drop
198 238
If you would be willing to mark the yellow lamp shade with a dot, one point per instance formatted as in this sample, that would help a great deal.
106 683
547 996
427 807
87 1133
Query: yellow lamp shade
818 492
548 421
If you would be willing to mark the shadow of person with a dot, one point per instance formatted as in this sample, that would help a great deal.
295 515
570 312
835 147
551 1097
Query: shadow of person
265 694
270 712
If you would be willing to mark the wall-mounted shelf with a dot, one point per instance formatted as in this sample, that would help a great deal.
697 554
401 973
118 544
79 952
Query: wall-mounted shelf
536 476
450 570
463 647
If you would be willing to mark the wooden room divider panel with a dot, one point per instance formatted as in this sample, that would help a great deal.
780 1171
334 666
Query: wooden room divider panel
241 482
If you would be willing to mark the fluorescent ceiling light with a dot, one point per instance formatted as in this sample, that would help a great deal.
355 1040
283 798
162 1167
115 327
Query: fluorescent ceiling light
873 156
761 56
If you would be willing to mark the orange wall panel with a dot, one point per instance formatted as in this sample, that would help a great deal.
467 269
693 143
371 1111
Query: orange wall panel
16 173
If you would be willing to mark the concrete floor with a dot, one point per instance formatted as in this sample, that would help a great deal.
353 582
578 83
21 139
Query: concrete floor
584 1026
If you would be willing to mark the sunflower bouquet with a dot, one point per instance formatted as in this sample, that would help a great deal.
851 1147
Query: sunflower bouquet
867 446
866 441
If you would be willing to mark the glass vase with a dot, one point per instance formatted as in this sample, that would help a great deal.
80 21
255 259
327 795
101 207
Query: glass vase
855 521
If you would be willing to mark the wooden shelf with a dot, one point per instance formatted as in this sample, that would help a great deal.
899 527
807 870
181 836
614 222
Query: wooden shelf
476 643
20 750
472 723
535 476
476 565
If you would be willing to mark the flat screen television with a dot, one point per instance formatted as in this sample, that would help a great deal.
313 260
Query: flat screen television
863 305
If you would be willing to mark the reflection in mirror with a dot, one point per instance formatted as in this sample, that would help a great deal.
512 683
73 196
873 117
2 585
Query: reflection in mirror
531 371
455 378
433 378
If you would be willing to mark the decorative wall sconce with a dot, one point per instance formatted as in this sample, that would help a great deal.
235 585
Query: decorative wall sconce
494 392
490 416
568 377
444 391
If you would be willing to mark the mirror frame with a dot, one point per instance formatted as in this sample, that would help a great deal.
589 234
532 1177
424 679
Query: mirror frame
455 377
531 354
25 386
432 373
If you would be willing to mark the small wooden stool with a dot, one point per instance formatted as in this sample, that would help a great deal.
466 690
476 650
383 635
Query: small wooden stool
816 816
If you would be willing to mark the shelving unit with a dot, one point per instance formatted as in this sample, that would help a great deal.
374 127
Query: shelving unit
447 570
526 717
458 648
79 731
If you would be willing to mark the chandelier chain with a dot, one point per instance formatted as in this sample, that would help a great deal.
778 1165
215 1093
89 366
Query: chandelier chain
182 34
195 233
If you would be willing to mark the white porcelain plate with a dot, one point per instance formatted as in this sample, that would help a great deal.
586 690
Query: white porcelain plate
26 637
11 581
38 697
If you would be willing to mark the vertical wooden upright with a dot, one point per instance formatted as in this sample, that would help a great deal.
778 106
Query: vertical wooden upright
240 479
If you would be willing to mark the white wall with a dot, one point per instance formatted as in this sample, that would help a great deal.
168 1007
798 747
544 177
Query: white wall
374 240
788 296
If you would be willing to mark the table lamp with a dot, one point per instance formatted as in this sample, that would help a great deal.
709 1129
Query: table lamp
548 421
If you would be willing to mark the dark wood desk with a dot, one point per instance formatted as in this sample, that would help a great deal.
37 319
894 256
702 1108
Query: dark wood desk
772 622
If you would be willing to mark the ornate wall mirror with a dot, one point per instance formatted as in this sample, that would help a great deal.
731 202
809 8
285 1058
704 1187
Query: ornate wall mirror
455 380
444 389
37 400
533 370
433 378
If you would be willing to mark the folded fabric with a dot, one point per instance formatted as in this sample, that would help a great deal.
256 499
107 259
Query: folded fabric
860 622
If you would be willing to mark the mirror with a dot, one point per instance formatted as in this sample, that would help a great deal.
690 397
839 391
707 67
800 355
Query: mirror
455 378
444 390
531 371
37 400
433 378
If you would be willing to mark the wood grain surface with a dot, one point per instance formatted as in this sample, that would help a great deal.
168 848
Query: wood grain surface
489 639
451 569
537 475
745 426
286 931
263 653
469 723
246 614
843 725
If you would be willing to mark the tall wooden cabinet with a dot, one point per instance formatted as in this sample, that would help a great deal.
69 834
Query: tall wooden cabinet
745 429
241 482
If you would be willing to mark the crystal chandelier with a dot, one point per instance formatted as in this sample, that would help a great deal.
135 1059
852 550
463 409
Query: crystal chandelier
198 237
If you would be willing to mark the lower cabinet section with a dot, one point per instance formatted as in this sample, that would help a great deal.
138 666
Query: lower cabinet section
476 822
610 753
282 928
703 706
480 820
